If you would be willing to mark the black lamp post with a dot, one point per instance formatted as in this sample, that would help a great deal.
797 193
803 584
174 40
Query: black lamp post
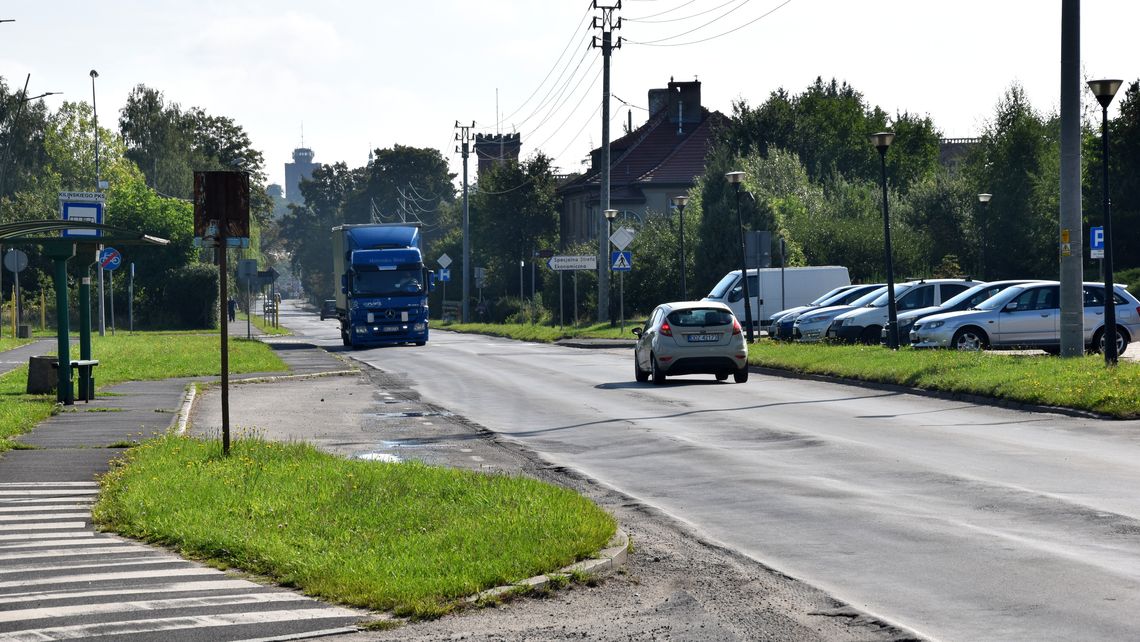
984 199
1104 90
681 202
881 141
735 178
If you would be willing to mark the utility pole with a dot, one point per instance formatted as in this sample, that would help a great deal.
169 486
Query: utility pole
606 23
1072 232
464 137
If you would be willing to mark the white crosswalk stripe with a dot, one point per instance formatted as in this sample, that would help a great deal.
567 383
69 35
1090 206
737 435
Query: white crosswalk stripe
60 580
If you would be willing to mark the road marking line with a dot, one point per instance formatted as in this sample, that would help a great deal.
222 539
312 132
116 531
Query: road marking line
23 501
43 526
40 566
170 624
22 537
109 577
24 510
151 605
59 484
31 491
94 547
171 587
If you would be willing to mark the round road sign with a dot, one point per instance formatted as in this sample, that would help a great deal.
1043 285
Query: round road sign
110 258
15 260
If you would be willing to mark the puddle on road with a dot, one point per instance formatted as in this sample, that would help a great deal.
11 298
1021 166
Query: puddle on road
412 413
384 457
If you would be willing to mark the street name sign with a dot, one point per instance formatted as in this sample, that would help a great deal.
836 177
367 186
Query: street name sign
569 262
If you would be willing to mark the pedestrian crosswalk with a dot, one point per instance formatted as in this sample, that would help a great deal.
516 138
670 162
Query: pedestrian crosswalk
61 580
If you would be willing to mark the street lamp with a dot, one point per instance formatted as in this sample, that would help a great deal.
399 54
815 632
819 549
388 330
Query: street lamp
984 199
1104 90
881 141
681 202
735 178
610 216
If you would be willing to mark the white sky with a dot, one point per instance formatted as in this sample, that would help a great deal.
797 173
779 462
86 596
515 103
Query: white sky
361 75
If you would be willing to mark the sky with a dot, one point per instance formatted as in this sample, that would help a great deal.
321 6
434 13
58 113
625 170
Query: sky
346 76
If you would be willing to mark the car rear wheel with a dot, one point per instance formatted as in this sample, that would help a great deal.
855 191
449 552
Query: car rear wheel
658 375
871 335
1121 341
970 340
639 374
741 375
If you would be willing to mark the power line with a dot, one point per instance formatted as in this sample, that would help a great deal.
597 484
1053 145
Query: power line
698 28
645 21
719 35
661 13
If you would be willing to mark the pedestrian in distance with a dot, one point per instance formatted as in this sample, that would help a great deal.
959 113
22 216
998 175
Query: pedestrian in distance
232 305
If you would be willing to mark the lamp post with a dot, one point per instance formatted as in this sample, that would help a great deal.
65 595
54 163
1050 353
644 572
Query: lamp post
1105 90
881 141
610 215
681 202
984 199
735 178
99 268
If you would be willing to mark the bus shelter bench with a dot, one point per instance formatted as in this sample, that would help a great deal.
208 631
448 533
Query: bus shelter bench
86 380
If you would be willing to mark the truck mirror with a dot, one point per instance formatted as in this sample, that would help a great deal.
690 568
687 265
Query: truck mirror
736 294
431 280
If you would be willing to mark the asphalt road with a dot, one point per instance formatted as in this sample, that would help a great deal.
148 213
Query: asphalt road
951 519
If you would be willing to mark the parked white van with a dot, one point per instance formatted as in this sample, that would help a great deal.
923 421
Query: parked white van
776 289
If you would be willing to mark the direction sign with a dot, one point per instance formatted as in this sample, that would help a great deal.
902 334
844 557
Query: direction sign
445 274
622 238
110 258
1096 242
444 261
568 262
621 261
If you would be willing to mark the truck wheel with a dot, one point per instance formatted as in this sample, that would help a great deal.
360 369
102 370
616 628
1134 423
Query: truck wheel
421 343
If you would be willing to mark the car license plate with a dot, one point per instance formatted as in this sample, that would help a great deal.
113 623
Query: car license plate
703 338
391 328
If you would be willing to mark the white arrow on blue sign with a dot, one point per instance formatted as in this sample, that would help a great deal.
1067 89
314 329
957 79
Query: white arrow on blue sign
110 258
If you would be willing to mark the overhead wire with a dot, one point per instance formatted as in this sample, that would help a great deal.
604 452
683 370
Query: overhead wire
655 43
698 28
646 21
660 13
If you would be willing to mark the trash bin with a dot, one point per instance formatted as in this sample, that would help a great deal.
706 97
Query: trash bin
23 331
42 375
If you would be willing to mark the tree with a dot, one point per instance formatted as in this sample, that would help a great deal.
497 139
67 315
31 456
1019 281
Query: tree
22 152
513 213
1124 177
1018 161
394 180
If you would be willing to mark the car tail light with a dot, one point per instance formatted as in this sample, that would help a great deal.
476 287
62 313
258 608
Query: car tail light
666 330
736 327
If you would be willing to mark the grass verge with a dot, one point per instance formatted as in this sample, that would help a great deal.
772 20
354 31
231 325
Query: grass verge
139 356
265 328
543 333
407 538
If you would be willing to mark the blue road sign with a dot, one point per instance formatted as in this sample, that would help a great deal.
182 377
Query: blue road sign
621 261
444 275
110 258
1096 242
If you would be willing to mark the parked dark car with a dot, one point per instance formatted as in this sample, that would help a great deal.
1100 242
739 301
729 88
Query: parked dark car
328 309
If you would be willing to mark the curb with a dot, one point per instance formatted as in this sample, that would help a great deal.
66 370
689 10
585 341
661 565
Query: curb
606 560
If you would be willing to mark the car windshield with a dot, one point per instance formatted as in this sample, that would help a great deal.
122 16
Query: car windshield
699 317
401 282
975 295
721 289
868 297
881 300
847 296
999 300
831 295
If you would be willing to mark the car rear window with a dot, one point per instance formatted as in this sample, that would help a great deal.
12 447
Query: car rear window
697 317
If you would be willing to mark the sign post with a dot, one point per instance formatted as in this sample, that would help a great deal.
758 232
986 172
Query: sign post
110 259
16 261
621 262
444 277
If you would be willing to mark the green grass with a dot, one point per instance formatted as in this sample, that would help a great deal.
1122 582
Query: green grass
1083 383
8 344
407 538
266 328
544 333
140 356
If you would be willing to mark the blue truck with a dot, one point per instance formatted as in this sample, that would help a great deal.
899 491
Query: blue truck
381 284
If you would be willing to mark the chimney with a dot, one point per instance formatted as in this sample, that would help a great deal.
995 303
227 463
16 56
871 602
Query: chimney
684 103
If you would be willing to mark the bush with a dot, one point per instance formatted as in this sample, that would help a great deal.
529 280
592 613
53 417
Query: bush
1130 277
189 300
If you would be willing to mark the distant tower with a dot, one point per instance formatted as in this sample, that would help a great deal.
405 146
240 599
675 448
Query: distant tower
300 169
495 149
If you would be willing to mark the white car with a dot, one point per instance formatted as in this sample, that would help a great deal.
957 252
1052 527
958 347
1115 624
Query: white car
812 326
690 337
1028 316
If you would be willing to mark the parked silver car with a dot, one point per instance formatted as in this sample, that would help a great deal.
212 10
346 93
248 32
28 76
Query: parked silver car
782 322
961 301
1028 316
690 337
